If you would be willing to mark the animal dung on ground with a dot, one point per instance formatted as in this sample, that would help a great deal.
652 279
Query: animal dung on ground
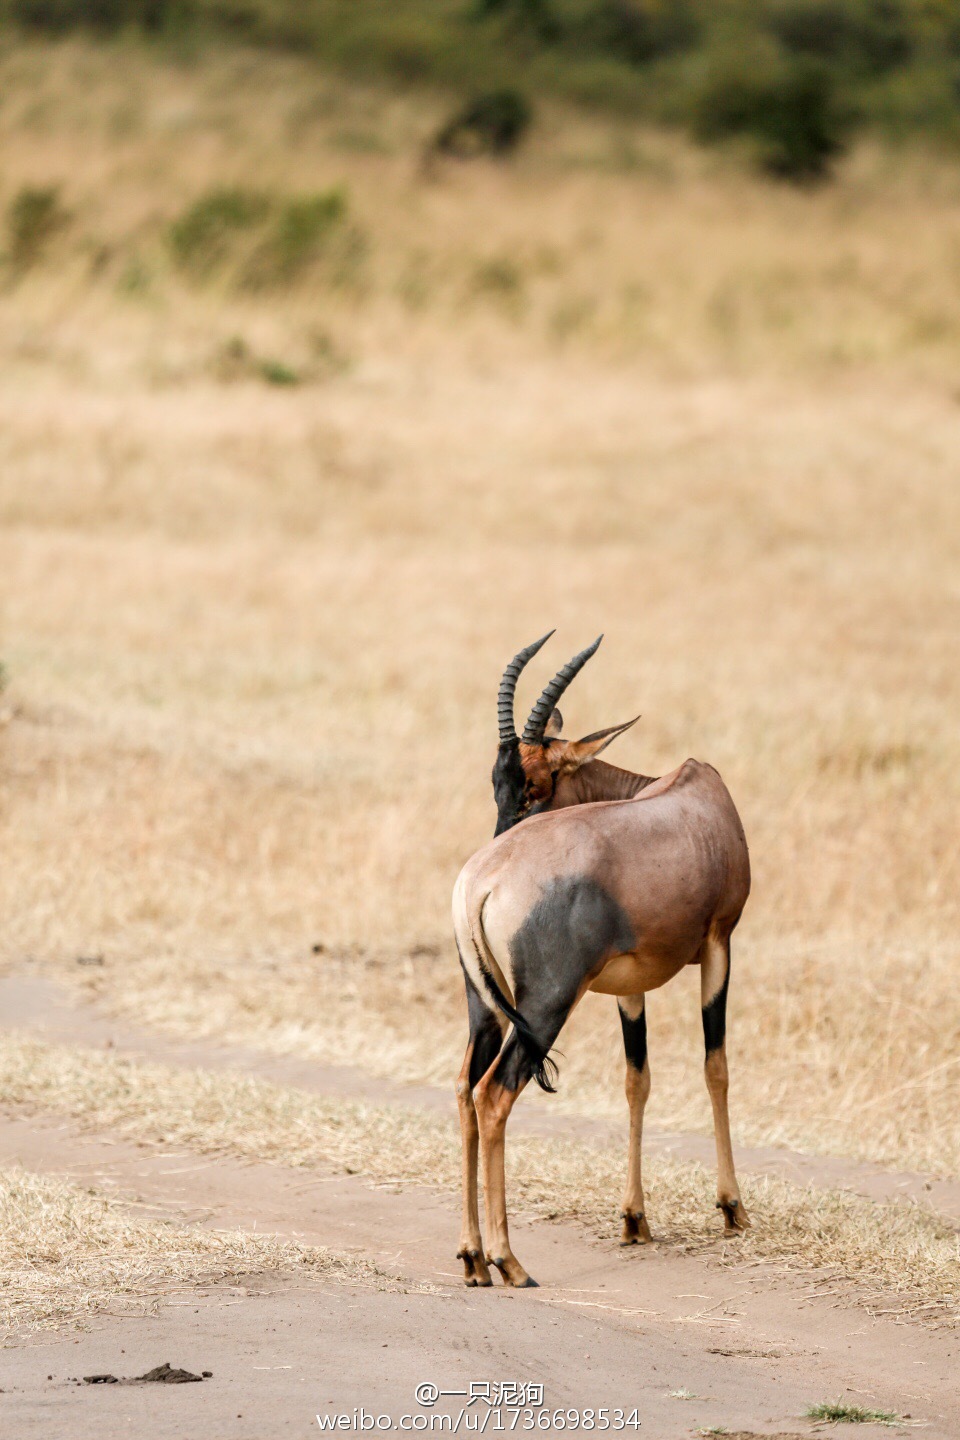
164 1374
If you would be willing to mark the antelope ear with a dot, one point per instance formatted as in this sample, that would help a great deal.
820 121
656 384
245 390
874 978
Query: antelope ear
581 752
554 725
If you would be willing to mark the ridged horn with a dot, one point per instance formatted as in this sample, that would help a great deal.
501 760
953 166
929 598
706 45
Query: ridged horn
508 685
540 714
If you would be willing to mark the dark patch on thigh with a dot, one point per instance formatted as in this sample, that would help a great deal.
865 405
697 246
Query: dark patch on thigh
715 1017
484 1031
635 1039
573 928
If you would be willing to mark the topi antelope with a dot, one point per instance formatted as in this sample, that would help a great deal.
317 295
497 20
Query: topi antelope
613 883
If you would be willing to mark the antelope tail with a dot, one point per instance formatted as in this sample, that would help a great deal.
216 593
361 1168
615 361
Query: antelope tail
544 1070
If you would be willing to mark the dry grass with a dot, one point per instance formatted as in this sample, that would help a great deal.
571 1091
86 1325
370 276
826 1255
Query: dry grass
68 1254
892 1257
254 635
839 1411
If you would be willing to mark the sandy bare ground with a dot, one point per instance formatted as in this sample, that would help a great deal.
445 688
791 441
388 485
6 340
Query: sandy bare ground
752 1347
754 1350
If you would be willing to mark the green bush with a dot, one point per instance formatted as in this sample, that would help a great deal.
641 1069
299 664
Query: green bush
283 237
786 109
536 17
33 218
303 226
276 372
871 36
491 124
201 239
59 16
299 234
636 31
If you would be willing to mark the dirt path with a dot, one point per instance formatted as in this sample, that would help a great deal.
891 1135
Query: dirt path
622 1328
754 1347
33 1002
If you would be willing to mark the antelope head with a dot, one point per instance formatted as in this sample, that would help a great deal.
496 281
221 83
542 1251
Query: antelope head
537 771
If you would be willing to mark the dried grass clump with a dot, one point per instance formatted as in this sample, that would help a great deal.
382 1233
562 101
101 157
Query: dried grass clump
66 1254
893 1257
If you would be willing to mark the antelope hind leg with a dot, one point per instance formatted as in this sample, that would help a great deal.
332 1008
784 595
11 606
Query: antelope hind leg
475 1268
494 1101
633 1021
714 982
482 1048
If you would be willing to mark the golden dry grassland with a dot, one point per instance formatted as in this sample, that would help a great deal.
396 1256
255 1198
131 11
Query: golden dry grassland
254 630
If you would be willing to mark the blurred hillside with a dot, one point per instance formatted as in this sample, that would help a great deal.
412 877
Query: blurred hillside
792 77
252 216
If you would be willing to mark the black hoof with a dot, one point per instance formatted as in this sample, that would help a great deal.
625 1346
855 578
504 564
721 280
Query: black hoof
472 1260
733 1224
528 1284
636 1231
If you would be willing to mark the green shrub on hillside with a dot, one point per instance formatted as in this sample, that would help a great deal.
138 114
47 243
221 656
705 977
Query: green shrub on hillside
33 218
201 239
870 36
298 235
59 16
788 111
537 17
491 124
283 236
302 227
636 31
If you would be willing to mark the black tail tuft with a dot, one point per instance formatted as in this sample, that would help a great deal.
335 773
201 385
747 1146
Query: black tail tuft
543 1069
545 1073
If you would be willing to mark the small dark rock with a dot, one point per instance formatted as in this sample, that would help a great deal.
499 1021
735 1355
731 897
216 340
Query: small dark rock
89 959
100 1380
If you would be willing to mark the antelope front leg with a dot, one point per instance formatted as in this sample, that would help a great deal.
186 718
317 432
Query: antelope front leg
475 1270
714 981
494 1101
633 1021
